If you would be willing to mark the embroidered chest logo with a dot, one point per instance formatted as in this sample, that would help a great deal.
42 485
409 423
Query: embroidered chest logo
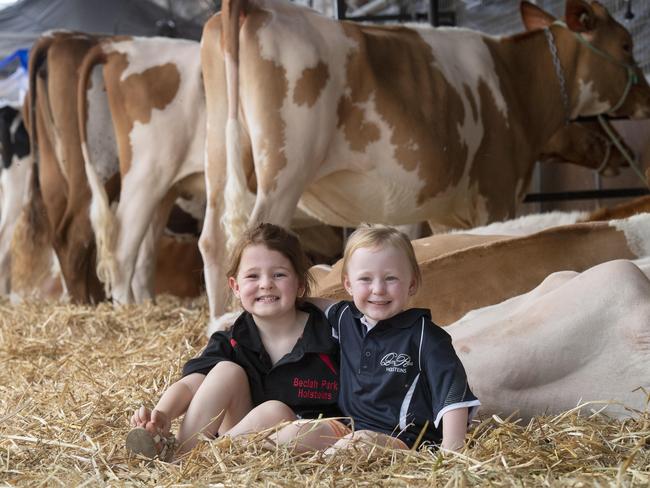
396 363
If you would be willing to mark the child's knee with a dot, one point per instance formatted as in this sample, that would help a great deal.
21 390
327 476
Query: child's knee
275 405
227 371
276 409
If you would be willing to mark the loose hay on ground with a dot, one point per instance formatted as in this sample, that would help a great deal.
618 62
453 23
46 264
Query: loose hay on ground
70 377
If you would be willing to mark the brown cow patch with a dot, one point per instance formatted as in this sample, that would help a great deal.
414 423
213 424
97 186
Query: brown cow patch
358 132
426 110
311 84
156 87
135 98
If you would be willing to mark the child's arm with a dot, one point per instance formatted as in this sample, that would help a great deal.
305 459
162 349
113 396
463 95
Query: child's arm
452 399
454 429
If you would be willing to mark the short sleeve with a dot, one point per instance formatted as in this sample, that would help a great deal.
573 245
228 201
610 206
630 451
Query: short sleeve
445 374
333 314
219 349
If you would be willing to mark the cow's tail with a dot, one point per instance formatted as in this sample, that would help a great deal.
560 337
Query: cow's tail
236 215
102 217
32 238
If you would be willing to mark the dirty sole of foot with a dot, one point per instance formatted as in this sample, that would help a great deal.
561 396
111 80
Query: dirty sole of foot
140 441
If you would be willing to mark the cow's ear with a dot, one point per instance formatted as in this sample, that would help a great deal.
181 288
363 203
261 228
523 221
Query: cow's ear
534 18
579 16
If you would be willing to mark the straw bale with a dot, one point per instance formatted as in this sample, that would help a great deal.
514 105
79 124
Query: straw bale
71 376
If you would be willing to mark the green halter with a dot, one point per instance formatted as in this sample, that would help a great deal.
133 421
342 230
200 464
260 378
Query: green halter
632 77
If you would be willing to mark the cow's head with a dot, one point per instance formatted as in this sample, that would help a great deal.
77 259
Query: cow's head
595 53
590 145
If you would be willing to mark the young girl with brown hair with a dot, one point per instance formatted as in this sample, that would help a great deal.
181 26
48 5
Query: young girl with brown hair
278 352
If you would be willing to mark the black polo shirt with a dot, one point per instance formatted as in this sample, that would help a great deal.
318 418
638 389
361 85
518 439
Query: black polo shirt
400 374
306 379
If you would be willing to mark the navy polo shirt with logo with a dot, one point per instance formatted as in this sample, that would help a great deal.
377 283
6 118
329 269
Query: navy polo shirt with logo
306 379
399 374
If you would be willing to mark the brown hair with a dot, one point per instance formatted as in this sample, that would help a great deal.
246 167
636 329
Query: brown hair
372 236
278 239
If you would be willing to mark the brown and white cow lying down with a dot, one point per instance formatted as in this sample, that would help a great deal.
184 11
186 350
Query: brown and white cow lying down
463 272
577 337
627 209
390 124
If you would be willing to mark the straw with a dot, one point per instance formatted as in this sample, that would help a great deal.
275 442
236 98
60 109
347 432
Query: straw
71 376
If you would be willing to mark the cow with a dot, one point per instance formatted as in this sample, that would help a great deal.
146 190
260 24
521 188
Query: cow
14 178
157 107
352 122
463 272
58 214
575 338
155 96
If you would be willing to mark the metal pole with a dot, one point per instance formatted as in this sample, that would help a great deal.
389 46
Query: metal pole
339 9
434 13
629 15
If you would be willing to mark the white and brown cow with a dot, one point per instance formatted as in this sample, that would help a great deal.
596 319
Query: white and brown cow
157 106
393 124
157 112
14 179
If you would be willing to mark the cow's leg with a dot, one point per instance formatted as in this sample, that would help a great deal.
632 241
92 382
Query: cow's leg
139 198
14 183
145 268
212 244
142 284
75 244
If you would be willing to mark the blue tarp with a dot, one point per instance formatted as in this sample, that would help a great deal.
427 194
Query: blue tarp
14 87
21 55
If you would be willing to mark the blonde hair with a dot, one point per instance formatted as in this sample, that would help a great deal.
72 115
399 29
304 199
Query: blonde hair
278 239
373 236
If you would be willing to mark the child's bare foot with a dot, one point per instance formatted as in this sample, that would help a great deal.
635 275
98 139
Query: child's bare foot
154 421
158 423
141 417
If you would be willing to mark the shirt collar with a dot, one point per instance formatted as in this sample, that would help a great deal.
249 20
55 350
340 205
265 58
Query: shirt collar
245 332
402 320
316 338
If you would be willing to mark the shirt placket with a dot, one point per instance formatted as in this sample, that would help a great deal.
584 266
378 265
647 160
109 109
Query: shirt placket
367 355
